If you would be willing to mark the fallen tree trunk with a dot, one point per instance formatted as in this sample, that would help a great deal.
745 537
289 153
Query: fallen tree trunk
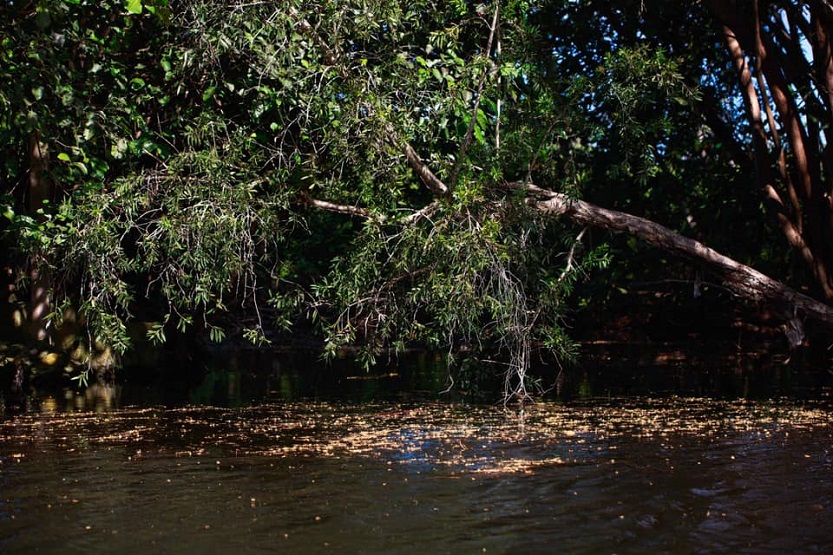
795 308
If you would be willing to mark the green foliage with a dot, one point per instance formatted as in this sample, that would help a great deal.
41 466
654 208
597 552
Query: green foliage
635 92
190 143
185 140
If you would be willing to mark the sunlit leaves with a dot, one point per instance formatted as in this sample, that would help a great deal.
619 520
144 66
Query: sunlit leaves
134 6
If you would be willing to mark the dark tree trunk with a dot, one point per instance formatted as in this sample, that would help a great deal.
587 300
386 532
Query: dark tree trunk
41 189
766 42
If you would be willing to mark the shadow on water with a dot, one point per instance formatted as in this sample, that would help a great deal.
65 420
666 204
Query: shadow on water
251 376
255 376
713 370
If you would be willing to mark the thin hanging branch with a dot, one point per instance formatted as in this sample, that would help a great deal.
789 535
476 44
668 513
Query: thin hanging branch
461 155
499 99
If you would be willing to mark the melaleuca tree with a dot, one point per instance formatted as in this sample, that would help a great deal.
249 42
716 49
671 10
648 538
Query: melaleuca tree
392 171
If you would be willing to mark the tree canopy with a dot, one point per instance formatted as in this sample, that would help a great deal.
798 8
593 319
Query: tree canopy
396 173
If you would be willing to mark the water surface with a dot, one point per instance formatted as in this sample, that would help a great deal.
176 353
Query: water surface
674 475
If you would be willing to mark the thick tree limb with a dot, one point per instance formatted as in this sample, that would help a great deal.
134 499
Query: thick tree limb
741 280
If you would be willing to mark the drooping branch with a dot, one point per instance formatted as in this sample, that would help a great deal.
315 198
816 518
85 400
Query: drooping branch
743 281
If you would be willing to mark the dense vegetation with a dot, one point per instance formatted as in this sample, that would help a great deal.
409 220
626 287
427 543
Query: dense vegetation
394 173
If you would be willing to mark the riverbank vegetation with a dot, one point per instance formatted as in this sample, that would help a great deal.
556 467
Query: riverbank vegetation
442 174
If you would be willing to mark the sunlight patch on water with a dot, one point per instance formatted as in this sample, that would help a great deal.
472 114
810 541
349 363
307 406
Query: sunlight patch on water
422 438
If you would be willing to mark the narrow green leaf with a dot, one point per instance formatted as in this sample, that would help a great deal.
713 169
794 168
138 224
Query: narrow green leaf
209 92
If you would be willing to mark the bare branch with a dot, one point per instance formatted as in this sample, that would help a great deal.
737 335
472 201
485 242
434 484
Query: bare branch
424 212
356 211
572 256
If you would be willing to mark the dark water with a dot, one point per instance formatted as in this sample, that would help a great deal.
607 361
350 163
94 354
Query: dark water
671 475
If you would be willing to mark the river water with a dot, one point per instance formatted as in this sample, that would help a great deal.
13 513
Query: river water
638 475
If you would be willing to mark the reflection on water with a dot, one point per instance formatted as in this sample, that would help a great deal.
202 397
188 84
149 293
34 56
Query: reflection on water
643 476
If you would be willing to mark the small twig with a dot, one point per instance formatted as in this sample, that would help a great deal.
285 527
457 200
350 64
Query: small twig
571 256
